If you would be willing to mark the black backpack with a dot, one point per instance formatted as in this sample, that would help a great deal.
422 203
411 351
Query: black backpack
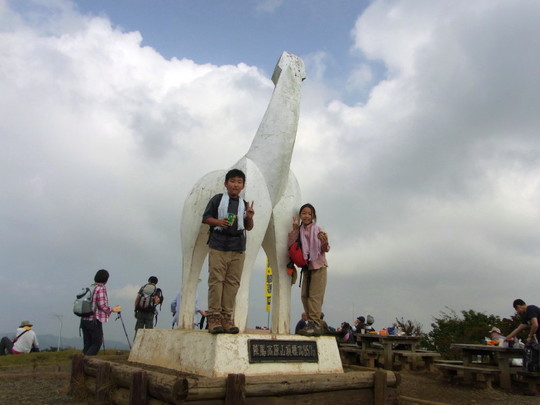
531 357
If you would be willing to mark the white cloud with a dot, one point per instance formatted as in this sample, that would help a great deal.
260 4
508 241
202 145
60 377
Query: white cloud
435 174
101 140
360 77
429 190
127 292
316 65
268 6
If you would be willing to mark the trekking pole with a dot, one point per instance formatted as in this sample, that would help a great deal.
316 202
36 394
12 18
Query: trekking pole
124 326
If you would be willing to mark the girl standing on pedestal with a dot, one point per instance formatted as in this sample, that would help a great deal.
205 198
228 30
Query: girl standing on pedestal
314 247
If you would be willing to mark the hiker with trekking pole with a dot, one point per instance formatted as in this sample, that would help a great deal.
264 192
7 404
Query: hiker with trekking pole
123 326
92 325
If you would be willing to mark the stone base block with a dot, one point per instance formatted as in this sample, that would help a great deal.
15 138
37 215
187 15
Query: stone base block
202 353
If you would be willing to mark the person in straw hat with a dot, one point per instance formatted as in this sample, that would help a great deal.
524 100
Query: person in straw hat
24 341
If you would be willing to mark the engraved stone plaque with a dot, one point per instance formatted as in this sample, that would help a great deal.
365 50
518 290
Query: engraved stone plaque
272 351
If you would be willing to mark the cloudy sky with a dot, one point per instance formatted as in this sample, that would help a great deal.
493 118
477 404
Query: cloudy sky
418 145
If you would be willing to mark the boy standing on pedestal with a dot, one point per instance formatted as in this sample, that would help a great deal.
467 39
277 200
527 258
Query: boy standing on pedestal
229 217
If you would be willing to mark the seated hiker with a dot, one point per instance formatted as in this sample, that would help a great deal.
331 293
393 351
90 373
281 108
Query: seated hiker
345 333
24 341
360 325
369 324
324 326
496 338
302 323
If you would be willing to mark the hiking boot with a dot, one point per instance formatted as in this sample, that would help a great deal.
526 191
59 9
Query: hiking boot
214 323
304 331
317 330
312 329
228 325
307 330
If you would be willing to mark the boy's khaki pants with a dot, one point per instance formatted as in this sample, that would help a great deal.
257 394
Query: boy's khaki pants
225 271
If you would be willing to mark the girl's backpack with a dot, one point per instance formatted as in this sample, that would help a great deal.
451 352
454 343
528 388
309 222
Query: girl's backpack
296 254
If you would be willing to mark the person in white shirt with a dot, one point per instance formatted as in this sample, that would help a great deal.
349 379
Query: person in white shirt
24 341
495 334
199 317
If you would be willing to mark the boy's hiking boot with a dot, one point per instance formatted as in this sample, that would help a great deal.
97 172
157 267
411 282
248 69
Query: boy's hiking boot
311 329
214 323
228 325
317 330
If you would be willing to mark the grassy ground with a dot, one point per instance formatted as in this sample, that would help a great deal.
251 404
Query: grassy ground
43 379
37 359
41 359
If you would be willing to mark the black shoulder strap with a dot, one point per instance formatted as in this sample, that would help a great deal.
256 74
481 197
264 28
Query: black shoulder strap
141 289
299 239
214 211
159 293
22 333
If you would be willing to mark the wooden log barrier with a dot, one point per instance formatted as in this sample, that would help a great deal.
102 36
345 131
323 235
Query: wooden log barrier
170 389
139 388
104 383
76 382
416 401
175 389
236 389
379 387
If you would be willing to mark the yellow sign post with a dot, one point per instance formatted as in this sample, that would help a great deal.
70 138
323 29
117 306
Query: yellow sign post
268 287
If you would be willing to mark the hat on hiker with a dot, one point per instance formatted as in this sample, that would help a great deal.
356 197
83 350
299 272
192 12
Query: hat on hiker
25 323
494 329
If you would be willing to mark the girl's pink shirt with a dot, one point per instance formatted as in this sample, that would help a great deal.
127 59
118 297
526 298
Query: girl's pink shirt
321 260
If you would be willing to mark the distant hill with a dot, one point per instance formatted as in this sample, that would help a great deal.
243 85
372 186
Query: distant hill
47 341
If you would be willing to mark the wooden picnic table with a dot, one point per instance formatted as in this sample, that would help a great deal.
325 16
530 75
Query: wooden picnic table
497 357
369 341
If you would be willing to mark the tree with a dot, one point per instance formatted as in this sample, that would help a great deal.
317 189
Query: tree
411 328
471 327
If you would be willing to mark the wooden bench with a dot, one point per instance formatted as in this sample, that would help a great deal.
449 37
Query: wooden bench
356 355
441 361
531 378
349 354
411 359
486 374
370 357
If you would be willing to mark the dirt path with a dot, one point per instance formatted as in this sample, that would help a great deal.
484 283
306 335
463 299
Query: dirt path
432 387
49 385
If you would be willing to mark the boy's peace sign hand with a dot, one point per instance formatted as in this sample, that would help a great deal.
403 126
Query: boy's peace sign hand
250 211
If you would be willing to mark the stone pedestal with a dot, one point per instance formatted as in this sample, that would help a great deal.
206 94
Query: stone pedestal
202 353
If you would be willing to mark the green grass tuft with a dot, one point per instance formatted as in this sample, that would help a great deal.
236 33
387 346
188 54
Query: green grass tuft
46 358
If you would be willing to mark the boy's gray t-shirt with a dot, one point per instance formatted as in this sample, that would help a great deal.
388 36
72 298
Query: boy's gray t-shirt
230 238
